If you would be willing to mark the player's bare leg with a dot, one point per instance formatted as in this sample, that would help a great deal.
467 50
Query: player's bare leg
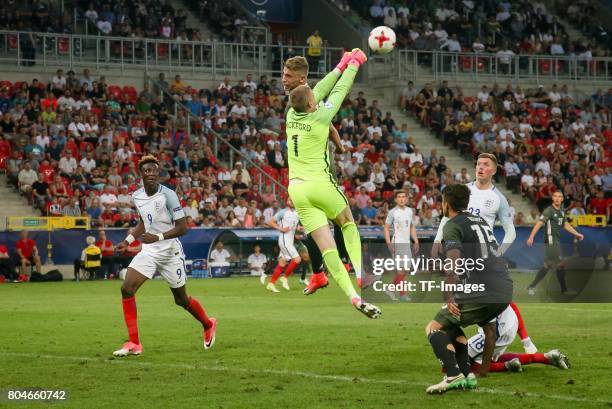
277 273
131 284
325 241
209 324
445 351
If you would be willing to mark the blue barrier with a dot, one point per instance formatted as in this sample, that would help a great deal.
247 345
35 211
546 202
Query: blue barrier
197 243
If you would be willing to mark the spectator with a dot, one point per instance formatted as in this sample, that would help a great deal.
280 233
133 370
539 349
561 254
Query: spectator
27 253
27 177
90 258
72 209
257 263
219 257
108 254
7 265
314 43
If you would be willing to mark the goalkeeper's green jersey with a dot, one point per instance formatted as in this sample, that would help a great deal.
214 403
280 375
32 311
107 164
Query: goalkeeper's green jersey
308 132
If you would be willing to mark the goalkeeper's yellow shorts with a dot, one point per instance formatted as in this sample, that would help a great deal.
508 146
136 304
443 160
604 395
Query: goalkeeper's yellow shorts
316 202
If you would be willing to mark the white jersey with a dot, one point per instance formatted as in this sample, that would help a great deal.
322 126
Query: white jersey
158 213
506 325
489 204
287 218
400 220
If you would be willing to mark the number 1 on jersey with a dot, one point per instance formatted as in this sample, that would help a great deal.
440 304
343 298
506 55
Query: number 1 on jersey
295 145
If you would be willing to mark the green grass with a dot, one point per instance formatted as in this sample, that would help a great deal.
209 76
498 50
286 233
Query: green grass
274 351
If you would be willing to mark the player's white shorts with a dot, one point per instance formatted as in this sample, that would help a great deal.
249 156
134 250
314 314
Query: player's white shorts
287 249
402 249
507 325
170 264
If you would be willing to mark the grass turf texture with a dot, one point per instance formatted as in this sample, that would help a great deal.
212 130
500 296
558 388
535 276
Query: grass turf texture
274 350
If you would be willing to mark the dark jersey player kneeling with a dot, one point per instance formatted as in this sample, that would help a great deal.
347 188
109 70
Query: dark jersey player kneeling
467 237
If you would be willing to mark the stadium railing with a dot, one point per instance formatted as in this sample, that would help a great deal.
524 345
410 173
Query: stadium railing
263 178
412 64
215 58
220 59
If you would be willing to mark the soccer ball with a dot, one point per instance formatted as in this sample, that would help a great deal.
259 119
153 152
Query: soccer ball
381 40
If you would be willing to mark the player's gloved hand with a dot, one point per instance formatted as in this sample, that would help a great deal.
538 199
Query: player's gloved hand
358 58
346 57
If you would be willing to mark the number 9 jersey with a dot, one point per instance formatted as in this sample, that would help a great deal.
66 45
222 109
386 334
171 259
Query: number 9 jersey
158 213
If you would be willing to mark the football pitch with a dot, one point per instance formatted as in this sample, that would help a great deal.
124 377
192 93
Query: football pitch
281 350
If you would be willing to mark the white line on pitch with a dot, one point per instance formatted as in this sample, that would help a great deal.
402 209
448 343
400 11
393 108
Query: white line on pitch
312 375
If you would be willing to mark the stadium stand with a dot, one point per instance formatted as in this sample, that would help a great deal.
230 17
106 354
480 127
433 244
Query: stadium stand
545 140
520 26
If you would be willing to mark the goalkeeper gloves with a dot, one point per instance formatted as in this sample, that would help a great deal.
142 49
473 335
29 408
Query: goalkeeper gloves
358 57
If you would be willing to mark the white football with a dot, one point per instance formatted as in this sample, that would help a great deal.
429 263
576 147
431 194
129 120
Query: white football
382 40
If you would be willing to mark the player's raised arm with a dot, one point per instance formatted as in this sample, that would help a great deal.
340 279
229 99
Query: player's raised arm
323 87
341 89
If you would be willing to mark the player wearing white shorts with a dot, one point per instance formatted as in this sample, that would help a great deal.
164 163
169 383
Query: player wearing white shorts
507 325
162 221
286 221
489 203
400 220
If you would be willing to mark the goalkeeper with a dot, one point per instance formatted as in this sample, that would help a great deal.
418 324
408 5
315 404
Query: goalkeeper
312 187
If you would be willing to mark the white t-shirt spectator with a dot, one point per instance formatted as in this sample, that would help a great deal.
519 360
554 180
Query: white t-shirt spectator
483 96
224 176
528 180
108 199
505 132
424 199
76 129
240 110
58 82
104 26
88 164
219 258
415 157
83 104
256 263
505 56
372 129
512 169
240 212
66 103
554 96
544 166
68 165
268 214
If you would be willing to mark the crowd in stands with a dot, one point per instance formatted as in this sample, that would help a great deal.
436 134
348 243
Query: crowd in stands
32 15
545 139
501 27
139 19
72 145
584 15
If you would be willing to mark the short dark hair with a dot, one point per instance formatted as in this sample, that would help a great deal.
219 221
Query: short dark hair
399 192
457 196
